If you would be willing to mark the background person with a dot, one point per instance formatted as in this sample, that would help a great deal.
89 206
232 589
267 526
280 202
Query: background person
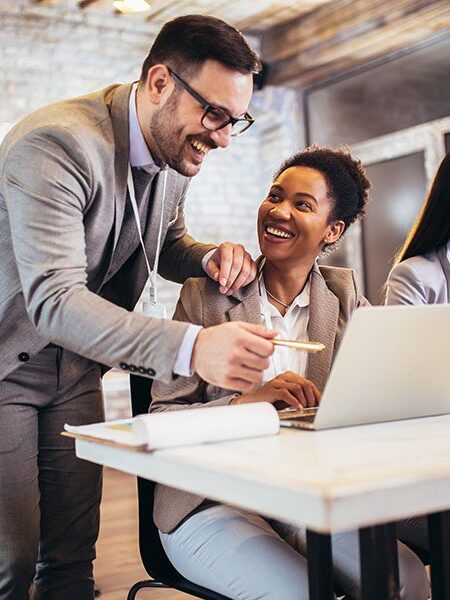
421 273
72 270
315 197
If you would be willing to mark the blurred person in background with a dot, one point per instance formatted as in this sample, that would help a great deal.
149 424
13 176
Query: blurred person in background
421 272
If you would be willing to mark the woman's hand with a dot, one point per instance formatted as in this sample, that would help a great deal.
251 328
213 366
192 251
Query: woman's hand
289 387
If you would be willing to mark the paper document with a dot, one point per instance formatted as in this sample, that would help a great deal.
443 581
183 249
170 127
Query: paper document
183 427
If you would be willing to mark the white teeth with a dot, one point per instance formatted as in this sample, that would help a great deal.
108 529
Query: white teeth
199 146
278 232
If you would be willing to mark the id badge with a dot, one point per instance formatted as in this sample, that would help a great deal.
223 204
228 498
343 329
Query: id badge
154 310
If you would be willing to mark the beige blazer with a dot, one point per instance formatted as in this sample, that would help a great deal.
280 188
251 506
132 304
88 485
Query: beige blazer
63 178
334 296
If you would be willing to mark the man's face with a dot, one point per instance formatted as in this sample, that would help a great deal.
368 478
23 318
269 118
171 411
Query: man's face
181 140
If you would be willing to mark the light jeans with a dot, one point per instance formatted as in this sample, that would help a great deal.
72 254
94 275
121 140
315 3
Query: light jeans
246 557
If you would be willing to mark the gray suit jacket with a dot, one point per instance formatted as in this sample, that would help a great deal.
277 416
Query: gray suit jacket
63 173
420 280
333 297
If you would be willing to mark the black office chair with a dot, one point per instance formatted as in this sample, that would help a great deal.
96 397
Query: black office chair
154 559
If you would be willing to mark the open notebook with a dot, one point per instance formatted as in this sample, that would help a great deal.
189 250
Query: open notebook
182 427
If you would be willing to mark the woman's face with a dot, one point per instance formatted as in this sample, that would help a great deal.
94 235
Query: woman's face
294 218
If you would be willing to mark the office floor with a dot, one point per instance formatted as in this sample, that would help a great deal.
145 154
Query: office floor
118 565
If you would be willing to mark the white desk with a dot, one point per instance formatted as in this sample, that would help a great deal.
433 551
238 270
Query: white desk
333 480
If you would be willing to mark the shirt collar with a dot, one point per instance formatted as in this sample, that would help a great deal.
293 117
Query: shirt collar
140 156
300 301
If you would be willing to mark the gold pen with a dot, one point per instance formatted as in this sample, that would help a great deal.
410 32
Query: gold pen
304 345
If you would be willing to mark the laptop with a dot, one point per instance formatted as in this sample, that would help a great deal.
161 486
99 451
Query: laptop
393 363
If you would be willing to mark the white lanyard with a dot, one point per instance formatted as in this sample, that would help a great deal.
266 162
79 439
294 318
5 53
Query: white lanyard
151 308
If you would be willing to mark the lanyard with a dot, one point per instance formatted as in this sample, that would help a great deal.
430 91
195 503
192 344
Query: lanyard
151 274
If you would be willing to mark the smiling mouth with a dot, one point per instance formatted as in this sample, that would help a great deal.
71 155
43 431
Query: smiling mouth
278 233
199 146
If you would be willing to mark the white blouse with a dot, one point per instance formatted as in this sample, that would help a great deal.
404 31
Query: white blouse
293 326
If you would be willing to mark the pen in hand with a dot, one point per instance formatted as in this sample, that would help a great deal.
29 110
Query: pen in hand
303 345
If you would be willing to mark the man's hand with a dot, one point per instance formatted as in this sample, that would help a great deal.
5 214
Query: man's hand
233 355
288 387
231 266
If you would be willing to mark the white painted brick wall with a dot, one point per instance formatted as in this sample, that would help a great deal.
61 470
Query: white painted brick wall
53 52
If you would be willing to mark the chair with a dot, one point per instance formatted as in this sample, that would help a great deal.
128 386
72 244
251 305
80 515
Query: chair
154 559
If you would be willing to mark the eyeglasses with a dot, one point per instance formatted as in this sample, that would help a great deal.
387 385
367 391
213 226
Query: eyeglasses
215 118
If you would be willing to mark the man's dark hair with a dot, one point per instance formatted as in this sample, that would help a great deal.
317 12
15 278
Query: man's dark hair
348 185
186 42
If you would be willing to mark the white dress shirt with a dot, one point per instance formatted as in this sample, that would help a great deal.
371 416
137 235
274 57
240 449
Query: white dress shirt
293 326
141 158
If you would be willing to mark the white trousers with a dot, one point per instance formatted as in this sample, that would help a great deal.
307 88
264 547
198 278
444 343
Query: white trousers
247 557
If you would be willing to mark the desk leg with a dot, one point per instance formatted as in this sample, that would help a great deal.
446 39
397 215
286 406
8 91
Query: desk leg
320 568
439 540
379 563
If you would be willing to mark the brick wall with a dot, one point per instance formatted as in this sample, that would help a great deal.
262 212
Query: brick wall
53 52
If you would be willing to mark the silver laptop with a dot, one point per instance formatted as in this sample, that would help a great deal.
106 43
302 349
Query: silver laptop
393 363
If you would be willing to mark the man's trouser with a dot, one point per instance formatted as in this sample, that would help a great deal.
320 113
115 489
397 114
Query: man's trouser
49 499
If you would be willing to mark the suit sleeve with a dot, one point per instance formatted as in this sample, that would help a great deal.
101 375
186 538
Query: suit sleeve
181 255
187 392
404 286
48 182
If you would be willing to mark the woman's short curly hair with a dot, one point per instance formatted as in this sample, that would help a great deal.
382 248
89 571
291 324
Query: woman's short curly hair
345 176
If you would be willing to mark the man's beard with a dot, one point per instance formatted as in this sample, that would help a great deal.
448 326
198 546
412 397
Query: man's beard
166 135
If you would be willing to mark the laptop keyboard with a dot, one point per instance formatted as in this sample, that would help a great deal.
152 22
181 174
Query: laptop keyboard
306 414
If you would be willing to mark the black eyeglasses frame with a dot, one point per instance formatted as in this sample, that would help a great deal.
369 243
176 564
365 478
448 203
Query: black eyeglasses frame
207 107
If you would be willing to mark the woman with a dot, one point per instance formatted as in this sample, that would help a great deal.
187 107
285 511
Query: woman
421 274
315 196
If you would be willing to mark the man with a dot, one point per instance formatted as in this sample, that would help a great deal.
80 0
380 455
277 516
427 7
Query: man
80 181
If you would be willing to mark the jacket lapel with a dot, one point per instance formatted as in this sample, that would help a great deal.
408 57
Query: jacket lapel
120 122
322 327
248 306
